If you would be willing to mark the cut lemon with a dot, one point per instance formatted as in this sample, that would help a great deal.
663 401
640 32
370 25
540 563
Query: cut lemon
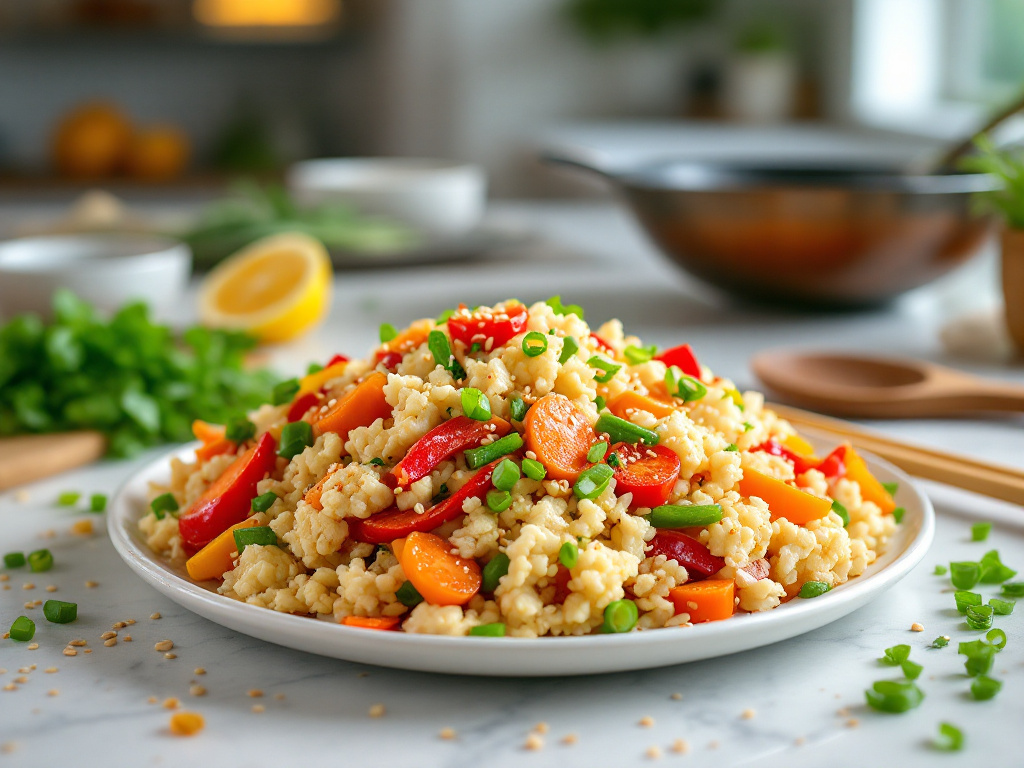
276 288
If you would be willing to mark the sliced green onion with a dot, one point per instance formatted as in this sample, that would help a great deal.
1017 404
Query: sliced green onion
747 426
992 569
684 515
68 498
984 687
840 510
517 408
891 488
622 431
597 452
996 638
97 502
475 404
965 600
491 573
505 475
637 355
569 348
535 344
258 534
592 481
40 560
534 470
940 642
980 657
599 403
295 438
163 504
485 454
569 554
313 368
497 629
940 570
498 501
376 461
814 589
980 531
284 392
555 302
14 560
732 447
687 388
1013 589
911 669
441 349
951 738
614 460
979 616
240 430
964 575
59 612
408 595
387 332
443 317
23 629
263 502
894 696
608 368
1002 607
897 514
895 655
620 616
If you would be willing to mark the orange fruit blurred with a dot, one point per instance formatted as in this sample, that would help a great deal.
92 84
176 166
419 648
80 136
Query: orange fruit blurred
157 153
90 141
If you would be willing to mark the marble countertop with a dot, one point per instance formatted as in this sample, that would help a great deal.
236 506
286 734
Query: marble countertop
795 703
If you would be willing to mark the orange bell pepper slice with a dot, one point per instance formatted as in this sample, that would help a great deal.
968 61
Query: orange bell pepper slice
870 488
215 559
708 600
372 622
628 401
359 408
783 500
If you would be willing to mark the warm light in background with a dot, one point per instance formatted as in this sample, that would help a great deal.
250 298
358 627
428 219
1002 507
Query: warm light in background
266 13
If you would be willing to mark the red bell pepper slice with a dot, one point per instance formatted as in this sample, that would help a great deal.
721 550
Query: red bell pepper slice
476 328
339 358
650 478
758 569
390 359
608 348
775 448
227 500
395 523
687 551
443 441
833 466
302 405
683 358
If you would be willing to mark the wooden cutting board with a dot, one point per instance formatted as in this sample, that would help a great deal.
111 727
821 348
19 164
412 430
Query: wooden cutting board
32 457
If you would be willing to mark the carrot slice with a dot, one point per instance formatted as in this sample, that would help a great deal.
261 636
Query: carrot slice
372 622
870 488
359 408
783 500
408 339
559 435
312 496
708 600
441 577
397 547
214 441
207 451
620 405
213 560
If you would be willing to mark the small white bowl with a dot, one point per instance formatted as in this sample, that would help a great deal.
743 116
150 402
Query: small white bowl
438 196
107 270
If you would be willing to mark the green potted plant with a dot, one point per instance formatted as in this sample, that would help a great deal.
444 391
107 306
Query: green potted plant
760 75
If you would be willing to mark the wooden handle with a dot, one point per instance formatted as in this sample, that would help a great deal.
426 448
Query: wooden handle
32 457
998 482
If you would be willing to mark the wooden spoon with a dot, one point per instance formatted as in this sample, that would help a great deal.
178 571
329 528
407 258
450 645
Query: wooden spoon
878 387
31 457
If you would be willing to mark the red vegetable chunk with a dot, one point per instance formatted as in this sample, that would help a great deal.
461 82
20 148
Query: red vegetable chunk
833 466
604 345
227 500
775 448
474 327
758 569
301 406
648 477
683 358
443 441
687 551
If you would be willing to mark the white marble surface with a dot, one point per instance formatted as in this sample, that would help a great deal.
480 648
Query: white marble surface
796 689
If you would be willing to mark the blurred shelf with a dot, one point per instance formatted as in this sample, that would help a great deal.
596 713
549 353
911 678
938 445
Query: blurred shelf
129 37
15 188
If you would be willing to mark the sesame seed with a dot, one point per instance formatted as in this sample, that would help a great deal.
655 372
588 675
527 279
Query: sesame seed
799 741
92 584
88 650
28 585
279 696
171 703
377 710
126 639
10 687
70 652
541 727
155 615
448 734
129 622
258 709
533 742
51 588
844 712
199 671
110 643
676 696
569 739
653 753
78 643
916 627
107 635
170 655
197 690
120 625
21 680
680 746
53 692
853 722
186 723
4 577
748 714
255 693
82 528
646 722
163 645
50 670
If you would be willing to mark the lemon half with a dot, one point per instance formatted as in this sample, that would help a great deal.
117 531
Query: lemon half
276 288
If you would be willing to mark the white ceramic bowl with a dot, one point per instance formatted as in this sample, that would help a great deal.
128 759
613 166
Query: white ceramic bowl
439 196
107 270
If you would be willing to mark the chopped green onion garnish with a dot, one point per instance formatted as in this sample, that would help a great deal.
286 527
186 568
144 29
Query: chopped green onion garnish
40 560
240 430
637 355
682 386
1013 589
894 696
911 669
517 408
814 589
1002 607
940 642
732 447
376 461
497 629
97 502
23 629
441 349
980 656
964 575
951 739
313 368
965 600
622 431
259 534
263 502
940 570
607 366
614 460
620 616
992 569
59 612
505 475
387 332
996 638
684 515
534 470
475 404
68 498
295 438
984 687
163 504
408 595
569 554
979 616
443 317
284 392
492 572
592 481
980 531
14 560
597 452
555 302
485 454
535 344
569 348
498 501
897 514
747 426
895 655
840 510
891 488
599 403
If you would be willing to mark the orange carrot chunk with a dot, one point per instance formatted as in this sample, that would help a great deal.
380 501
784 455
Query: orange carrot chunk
783 500
708 600
870 488
216 558
560 435
372 622
214 441
441 577
359 408
628 401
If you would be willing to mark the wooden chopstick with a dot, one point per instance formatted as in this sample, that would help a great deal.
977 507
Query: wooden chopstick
999 482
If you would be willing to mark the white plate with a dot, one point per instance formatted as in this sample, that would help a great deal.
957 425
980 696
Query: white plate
514 656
